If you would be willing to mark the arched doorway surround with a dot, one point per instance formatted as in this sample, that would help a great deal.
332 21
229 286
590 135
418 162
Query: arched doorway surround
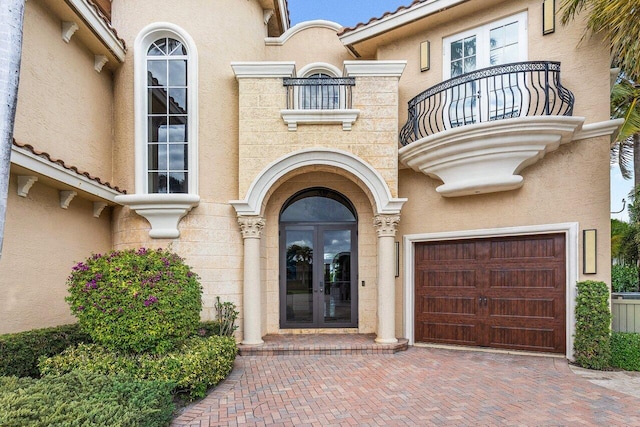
386 210
252 204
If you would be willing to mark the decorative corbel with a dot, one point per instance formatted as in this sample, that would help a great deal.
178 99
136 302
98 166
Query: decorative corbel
66 196
267 14
99 61
24 184
98 207
68 29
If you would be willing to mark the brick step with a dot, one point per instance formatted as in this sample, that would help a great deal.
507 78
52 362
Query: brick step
321 344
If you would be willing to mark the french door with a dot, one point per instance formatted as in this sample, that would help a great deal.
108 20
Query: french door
318 283
485 98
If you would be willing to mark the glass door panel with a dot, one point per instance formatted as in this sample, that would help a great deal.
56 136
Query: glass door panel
336 281
299 275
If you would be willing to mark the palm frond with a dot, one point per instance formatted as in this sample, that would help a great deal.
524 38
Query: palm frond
622 155
618 21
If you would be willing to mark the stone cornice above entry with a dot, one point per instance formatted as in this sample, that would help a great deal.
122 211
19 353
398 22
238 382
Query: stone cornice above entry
163 211
487 157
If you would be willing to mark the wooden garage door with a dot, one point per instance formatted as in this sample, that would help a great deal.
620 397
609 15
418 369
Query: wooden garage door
506 292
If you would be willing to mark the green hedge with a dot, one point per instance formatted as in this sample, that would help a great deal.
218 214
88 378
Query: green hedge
592 348
19 352
84 399
624 278
196 366
625 351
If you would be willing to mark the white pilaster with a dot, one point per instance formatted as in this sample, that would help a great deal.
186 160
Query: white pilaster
386 226
251 229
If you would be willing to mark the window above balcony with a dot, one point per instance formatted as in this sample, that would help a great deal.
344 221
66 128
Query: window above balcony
320 97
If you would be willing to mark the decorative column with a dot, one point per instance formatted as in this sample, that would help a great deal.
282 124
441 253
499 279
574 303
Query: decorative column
251 229
386 226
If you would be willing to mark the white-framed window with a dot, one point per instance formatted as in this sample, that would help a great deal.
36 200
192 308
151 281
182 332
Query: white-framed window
166 112
500 42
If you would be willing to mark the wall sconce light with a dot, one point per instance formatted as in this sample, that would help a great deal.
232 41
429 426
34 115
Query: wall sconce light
425 51
589 251
548 17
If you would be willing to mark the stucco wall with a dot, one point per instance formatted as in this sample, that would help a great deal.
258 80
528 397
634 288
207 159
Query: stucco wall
42 242
64 105
223 32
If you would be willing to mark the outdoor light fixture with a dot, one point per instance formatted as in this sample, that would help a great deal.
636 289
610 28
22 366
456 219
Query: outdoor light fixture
425 50
548 17
589 251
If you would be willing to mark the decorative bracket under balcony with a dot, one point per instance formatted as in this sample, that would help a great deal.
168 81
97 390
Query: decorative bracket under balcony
163 211
487 157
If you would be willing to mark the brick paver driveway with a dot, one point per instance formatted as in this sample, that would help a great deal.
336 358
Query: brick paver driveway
422 386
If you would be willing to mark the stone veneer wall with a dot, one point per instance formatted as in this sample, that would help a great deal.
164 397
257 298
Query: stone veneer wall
210 241
264 137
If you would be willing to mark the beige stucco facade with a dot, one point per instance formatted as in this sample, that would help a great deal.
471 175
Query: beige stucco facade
250 161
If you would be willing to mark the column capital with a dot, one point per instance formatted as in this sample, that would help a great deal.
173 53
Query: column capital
386 225
251 226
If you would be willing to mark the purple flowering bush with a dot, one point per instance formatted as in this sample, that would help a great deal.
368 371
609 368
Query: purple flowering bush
136 300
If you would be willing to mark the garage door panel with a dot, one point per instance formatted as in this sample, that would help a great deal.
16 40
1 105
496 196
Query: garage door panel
531 339
446 251
449 278
530 247
525 278
511 294
447 305
448 333
529 308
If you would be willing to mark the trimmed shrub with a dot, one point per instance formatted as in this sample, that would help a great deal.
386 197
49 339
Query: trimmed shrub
592 347
625 351
624 278
19 352
136 300
194 367
82 399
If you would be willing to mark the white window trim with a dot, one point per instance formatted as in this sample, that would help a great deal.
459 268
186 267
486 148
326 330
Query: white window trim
163 211
570 230
482 42
148 35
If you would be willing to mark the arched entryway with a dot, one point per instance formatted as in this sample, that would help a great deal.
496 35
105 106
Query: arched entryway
318 261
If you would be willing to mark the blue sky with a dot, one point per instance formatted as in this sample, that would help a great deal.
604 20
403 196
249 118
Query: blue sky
350 12
345 12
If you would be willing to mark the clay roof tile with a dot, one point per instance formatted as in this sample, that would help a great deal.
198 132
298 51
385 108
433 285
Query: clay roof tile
61 162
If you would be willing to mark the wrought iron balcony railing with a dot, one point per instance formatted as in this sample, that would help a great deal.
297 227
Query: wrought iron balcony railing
319 93
501 92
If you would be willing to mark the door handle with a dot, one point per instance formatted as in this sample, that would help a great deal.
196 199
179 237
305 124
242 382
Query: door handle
321 287
482 301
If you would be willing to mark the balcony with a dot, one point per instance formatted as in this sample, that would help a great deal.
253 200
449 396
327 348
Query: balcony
477 131
317 100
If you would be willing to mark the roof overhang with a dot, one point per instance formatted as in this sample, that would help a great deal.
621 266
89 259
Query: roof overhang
93 28
353 38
